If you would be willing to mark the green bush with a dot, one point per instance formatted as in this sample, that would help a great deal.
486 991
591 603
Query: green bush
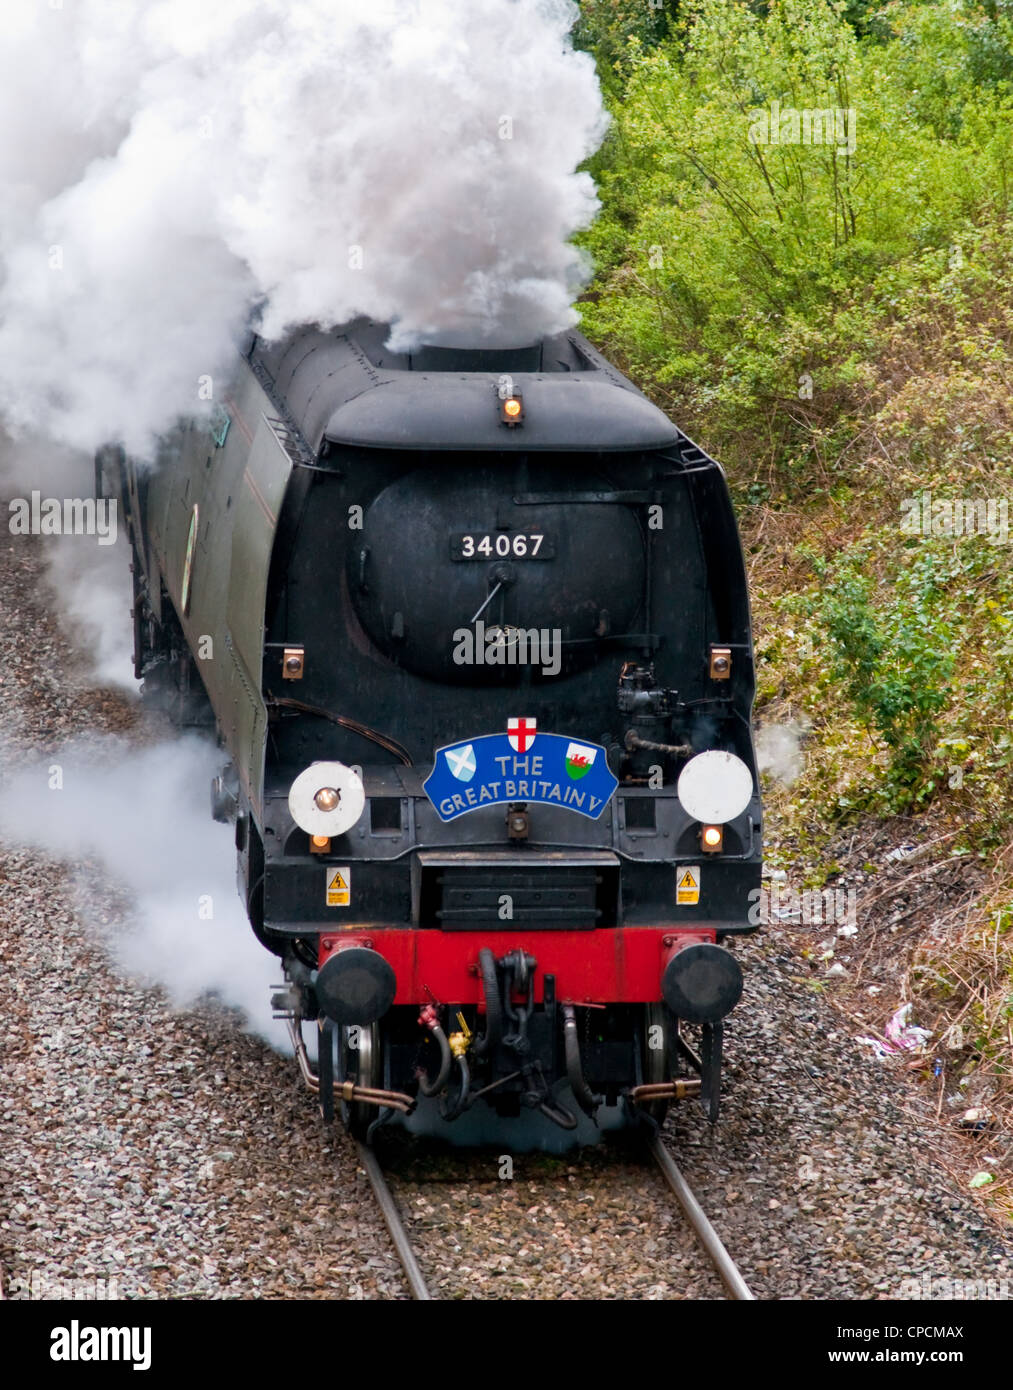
896 660
743 280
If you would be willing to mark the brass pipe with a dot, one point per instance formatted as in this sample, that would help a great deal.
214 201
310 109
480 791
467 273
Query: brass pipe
666 1090
345 1090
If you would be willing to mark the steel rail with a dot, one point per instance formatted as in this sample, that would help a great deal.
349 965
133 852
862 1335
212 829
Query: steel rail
704 1231
393 1222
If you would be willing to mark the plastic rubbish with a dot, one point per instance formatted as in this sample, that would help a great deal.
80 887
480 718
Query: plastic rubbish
981 1180
899 1035
976 1119
901 852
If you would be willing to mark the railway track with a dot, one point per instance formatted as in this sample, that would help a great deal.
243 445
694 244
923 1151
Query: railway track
711 1242
702 1228
392 1220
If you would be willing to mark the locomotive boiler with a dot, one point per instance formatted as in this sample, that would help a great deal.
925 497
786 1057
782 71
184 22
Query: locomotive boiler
472 629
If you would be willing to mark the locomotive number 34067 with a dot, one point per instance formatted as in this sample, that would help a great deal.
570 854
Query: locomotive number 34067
514 545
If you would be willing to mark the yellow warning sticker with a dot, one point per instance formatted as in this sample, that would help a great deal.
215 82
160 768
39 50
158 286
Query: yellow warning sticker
339 886
687 886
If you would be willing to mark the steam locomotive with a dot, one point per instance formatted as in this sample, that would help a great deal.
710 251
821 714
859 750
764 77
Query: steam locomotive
472 628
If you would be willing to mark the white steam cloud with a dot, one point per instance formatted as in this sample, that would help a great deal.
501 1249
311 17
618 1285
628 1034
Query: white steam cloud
142 813
87 584
779 750
170 169
174 171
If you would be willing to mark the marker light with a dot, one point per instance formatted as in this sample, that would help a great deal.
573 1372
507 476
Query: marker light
715 787
320 844
327 798
712 837
512 410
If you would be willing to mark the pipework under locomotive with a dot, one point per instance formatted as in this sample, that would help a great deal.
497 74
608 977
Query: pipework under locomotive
483 674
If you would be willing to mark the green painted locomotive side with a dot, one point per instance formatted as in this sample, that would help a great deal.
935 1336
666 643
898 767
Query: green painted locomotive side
237 487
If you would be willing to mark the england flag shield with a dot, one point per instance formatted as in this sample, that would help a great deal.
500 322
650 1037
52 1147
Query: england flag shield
521 733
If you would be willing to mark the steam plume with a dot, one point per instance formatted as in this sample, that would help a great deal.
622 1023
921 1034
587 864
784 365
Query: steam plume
171 168
779 750
142 813
171 172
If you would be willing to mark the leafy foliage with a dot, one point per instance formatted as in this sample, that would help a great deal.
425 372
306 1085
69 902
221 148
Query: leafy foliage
832 310
737 274
896 662
615 29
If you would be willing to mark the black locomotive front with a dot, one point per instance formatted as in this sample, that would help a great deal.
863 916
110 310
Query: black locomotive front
494 787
